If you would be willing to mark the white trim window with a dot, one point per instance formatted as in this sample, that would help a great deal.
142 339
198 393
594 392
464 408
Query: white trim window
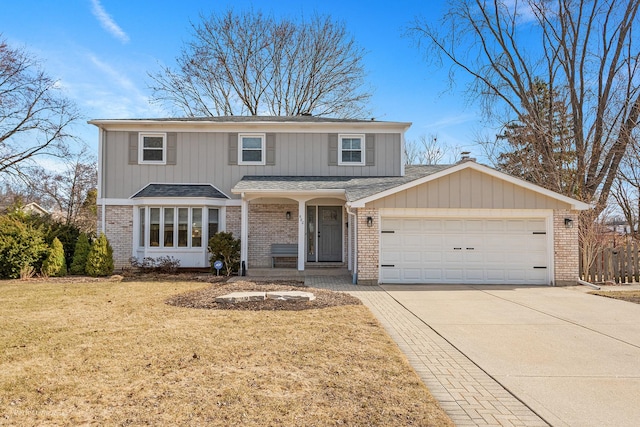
351 149
152 148
171 227
251 149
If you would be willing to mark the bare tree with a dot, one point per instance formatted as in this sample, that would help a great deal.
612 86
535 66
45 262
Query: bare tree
426 150
252 64
626 189
586 53
34 116
70 190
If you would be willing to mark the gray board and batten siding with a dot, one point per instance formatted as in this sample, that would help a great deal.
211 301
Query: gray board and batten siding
204 157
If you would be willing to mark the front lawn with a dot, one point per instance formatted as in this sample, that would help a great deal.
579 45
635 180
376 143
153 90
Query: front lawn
631 296
112 353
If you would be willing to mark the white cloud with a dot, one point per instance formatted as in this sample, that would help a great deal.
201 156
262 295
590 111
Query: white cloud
108 23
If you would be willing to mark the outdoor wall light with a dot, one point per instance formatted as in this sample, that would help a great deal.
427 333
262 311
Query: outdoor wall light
369 221
288 215
568 223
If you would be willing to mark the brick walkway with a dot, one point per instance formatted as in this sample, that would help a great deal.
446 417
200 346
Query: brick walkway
468 394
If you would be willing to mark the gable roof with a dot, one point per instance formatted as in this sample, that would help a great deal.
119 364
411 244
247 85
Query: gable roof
180 190
575 204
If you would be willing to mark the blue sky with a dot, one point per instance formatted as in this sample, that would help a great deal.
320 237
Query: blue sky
102 50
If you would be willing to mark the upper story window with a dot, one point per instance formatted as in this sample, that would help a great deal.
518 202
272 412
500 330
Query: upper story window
153 148
351 149
251 149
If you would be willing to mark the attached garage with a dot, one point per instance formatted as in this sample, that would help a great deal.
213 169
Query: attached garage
465 250
467 224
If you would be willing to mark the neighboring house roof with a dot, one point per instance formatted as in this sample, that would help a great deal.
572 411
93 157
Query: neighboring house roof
180 190
355 188
29 208
361 190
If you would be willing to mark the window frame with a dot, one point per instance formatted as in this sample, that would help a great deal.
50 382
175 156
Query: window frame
141 148
144 227
362 149
263 148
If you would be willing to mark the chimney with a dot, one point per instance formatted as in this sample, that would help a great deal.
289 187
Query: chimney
465 156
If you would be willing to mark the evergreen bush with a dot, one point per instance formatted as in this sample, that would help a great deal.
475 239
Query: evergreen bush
80 255
21 246
224 247
55 264
100 258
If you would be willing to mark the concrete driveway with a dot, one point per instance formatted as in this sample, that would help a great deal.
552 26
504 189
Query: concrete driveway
573 358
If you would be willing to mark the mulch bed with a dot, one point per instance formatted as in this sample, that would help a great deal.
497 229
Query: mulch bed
206 298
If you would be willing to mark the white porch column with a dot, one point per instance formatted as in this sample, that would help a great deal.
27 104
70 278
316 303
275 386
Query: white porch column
244 232
302 215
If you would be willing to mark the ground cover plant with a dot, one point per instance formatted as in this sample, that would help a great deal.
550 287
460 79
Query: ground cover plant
631 296
115 353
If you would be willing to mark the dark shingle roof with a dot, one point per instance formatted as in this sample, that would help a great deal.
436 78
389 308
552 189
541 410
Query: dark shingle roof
180 190
356 188
248 119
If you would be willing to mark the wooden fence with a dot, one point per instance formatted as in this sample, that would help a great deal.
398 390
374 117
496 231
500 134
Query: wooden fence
620 265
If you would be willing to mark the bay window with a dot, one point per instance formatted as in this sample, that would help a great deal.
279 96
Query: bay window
170 226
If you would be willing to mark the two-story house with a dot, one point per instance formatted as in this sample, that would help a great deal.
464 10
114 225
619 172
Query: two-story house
338 189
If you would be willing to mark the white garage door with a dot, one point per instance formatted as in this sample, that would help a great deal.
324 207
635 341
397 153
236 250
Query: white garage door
475 251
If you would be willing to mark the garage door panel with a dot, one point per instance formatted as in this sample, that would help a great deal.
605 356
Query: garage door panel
445 250
473 275
516 226
455 275
453 225
494 226
412 241
414 257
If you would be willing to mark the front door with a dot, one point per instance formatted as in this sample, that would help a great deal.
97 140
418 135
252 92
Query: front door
330 233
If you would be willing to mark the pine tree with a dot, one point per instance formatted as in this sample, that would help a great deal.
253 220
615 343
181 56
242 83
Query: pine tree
55 265
100 258
80 255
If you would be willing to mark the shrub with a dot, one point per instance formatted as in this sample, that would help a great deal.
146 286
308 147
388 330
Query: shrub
55 264
224 247
162 264
21 246
51 228
100 258
79 263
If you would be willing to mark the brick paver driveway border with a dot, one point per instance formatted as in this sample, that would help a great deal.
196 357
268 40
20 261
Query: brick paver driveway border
468 394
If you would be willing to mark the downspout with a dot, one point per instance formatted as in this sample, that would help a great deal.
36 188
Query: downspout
355 243
101 180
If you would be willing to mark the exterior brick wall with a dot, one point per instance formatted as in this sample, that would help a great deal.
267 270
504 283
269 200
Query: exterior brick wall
268 224
565 248
234 220
119 232
368 244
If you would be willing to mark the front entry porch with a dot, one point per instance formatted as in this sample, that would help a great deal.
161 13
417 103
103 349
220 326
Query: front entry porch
301 233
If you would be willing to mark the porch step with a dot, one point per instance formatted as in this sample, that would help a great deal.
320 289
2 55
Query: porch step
292 273
316 265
